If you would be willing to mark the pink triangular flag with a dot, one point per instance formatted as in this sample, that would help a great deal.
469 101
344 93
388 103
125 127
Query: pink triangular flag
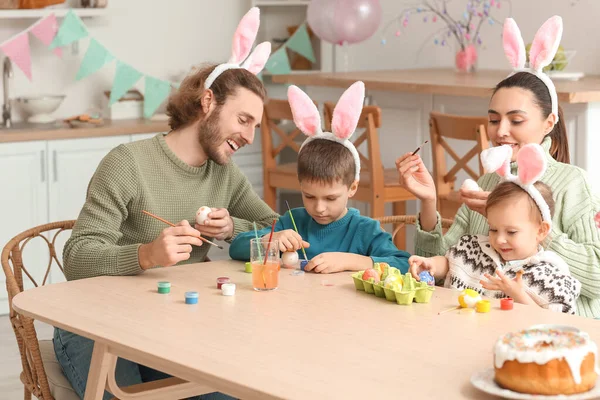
45 30
17 49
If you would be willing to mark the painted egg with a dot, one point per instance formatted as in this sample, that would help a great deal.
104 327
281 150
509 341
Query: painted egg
393 282
202 215
371 273
289 259
426 277
471 185
468 298
597 219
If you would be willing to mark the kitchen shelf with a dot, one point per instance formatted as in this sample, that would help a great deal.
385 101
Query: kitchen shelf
59 12
265 3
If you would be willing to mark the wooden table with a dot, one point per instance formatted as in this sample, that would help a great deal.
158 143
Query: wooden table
303 341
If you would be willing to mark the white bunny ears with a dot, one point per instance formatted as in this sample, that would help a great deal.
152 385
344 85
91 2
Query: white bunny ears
544 47
532 164
243 39
345 117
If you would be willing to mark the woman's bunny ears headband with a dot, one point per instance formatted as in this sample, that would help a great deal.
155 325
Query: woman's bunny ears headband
544 47
243 39
532 164
345 118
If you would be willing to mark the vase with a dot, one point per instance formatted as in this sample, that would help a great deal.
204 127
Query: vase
466 59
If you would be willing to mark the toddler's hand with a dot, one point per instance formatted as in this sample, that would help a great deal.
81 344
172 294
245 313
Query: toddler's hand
288 239
419 264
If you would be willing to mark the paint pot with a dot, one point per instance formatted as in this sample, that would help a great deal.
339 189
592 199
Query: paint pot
248 267
506 304
228 289
303 264
191 297
164 287
483 306
222 280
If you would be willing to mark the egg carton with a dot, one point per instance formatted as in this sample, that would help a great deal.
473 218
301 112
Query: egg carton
412 290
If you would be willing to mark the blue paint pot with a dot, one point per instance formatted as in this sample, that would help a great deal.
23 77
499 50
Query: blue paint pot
191 297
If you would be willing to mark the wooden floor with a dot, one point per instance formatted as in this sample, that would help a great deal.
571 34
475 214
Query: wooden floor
10 368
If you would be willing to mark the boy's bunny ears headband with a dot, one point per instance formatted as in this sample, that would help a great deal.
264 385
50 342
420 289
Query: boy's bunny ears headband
544 47
243 39
345 118
532 164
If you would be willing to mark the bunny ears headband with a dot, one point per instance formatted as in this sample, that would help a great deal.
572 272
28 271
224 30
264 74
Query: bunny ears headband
243 39
345 118
532 164
544 47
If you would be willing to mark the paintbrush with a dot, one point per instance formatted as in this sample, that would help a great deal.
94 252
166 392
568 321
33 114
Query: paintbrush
296 229
172 224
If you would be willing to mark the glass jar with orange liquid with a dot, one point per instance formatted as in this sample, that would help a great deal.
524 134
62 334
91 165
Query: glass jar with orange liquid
265 264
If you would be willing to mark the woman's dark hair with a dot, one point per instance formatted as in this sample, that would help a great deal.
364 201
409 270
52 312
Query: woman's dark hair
525 80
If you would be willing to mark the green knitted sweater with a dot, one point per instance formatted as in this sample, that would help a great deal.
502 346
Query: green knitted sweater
147 175
574 236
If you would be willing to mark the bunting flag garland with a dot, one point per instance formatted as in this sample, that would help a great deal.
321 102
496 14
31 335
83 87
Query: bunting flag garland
71 30
299 43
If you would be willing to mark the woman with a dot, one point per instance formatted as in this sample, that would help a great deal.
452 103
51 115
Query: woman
520 112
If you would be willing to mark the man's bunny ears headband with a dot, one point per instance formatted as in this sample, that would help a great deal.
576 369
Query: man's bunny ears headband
345 118
532 164
243 39
544 47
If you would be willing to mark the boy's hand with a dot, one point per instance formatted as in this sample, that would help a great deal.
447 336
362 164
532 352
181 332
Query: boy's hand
289 240
327 263
419 264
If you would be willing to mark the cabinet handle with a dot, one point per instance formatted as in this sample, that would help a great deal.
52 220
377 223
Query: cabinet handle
55 166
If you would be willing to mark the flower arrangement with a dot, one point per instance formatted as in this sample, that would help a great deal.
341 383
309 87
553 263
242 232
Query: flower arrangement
464 31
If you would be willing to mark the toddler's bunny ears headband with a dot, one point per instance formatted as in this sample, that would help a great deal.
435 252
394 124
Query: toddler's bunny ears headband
532 164
345 118
243 39
544 47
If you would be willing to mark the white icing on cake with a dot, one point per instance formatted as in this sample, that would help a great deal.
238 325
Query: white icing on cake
542 345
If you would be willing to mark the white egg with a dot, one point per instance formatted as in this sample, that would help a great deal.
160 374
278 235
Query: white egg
470 184
202 215
289 259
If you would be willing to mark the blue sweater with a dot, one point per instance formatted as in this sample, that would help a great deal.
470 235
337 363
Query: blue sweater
351 234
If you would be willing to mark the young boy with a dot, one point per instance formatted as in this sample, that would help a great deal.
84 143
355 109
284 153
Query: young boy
335 238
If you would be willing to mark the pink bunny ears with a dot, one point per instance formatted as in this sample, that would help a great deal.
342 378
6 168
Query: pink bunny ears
542 52
345 117
243 39
532 164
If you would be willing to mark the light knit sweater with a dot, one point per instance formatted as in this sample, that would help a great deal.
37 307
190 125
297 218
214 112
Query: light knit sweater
575 237
147 175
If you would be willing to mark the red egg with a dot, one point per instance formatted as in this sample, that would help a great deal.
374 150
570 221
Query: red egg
371 273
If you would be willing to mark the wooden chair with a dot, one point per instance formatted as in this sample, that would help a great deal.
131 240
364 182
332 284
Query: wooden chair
447 126
282 176
378 186
400 221
42 375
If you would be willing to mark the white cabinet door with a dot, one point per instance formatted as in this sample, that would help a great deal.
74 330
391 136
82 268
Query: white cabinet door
71 165
23 204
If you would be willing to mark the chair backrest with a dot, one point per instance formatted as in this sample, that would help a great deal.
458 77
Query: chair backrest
447 126
400 221
369 122
34 376
275 111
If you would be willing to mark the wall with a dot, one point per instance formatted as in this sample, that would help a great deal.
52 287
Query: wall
401 52
162 38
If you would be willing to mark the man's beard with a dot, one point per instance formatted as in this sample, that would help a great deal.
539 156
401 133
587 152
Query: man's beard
210 138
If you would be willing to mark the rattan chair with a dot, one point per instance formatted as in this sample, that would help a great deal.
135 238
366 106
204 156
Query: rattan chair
399 221
42 375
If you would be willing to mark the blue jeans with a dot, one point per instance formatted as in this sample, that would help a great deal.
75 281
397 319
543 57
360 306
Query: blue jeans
74 354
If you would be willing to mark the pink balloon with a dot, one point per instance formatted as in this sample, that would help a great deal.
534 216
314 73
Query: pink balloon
339 21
